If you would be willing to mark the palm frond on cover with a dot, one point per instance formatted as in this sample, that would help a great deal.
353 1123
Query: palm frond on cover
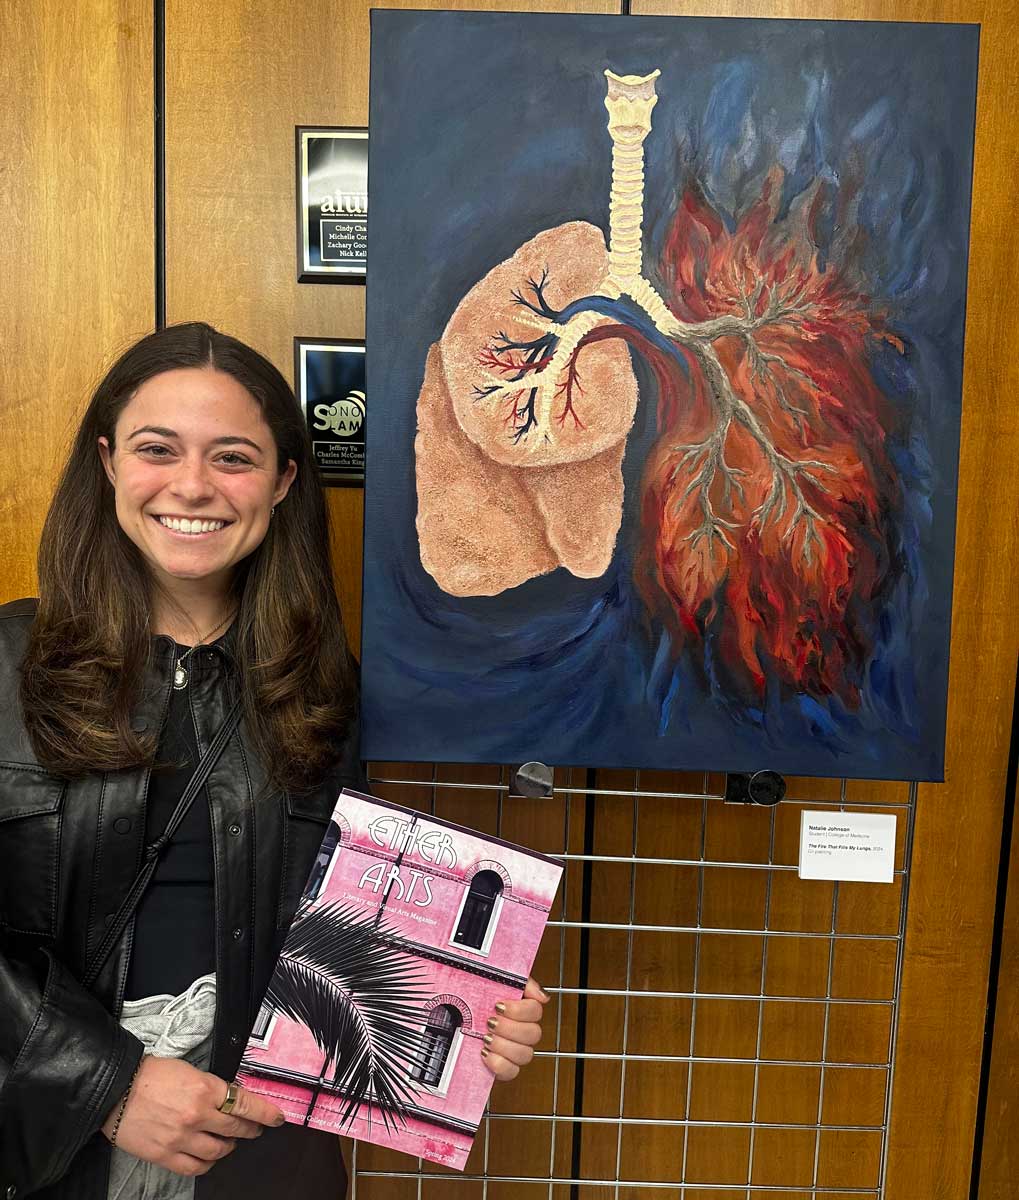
362 1000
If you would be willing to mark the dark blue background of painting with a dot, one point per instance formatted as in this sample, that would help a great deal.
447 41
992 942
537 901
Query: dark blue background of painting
486 129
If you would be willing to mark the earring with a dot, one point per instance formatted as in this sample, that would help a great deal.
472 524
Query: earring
272 512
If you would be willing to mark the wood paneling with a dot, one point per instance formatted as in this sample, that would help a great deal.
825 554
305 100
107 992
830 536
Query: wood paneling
958 824
76 236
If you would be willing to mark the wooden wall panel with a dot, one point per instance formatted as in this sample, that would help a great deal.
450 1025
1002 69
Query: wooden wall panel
76 236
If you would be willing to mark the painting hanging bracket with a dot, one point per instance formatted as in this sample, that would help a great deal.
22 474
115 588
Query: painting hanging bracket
764 788
533 780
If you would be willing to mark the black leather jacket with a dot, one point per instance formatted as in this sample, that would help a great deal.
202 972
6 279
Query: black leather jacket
68 852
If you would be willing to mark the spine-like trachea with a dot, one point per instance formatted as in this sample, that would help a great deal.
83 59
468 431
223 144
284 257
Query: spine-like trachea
629 101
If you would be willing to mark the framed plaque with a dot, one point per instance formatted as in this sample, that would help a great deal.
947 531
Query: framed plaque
330 386
332 204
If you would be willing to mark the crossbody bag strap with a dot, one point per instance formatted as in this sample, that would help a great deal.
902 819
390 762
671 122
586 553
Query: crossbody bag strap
153 851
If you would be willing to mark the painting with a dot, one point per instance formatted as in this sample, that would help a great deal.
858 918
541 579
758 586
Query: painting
665 329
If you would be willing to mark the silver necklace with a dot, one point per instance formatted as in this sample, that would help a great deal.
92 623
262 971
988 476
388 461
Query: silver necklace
180 673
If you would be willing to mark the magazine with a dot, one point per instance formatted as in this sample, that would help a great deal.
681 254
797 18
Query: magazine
409 930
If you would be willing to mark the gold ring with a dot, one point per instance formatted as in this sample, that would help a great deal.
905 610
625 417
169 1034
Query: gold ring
230 1099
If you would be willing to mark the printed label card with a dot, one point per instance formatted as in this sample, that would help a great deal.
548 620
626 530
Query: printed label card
848 846
408 932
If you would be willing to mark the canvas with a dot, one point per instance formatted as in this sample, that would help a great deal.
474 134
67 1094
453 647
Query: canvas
409 931
665 332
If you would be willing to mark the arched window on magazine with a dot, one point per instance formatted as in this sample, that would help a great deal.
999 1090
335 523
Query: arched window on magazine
437 1040
326 854
480 911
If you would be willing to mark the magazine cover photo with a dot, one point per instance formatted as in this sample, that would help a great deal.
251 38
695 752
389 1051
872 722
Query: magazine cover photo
408 932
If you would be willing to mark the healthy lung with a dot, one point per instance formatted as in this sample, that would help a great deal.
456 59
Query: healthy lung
496 508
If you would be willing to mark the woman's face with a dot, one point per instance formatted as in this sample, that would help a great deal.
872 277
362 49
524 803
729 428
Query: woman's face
194 468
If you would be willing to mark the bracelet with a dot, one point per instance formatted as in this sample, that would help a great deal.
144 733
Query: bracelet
123 1103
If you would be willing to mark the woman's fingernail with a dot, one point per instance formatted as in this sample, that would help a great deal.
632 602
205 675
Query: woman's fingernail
500 1008
492 1023
488 1039
544 994
484 1054
280 1120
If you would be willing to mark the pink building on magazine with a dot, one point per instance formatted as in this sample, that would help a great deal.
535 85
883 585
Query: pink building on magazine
470 909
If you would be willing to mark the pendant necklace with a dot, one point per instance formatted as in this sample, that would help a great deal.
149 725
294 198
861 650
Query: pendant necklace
180 673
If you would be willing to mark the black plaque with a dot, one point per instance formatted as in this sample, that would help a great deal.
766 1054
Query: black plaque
330 387
332 204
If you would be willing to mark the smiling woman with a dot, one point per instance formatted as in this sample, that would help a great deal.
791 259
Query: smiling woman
190 425
196 498
187 623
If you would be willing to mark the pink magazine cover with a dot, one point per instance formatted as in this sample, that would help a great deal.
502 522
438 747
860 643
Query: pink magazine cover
409 930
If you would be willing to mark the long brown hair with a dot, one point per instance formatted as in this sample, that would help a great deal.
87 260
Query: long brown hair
90 642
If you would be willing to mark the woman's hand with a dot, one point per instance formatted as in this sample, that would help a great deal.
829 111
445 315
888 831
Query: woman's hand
172 1117
513 1032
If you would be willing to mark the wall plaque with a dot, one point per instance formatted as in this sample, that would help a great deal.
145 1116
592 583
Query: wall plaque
332 204
330 385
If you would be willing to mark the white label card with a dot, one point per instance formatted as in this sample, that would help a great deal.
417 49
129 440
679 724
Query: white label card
855 847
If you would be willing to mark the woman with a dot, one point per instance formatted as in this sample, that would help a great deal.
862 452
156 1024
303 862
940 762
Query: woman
183 564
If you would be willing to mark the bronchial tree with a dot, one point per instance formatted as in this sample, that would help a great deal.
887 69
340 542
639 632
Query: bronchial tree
769 501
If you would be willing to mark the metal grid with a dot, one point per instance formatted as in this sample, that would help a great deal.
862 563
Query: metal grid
380 1178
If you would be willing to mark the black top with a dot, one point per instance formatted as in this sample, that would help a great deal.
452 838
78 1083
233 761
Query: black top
174 932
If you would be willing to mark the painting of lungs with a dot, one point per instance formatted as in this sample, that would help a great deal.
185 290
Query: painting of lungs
670 451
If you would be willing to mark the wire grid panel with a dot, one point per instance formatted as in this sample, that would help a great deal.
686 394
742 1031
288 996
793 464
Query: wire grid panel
719 1028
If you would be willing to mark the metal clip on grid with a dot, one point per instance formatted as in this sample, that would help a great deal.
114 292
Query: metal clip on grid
762 787
533 780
